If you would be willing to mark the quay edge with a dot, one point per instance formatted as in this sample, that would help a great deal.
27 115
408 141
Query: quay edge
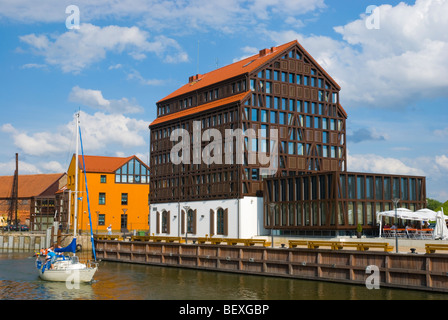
425 272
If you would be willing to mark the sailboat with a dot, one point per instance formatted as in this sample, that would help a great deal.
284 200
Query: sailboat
67 267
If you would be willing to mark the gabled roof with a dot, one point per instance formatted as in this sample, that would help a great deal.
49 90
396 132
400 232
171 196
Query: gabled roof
200 108
241 67
101 164
29 185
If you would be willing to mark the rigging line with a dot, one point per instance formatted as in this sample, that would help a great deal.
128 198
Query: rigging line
87 192
69 155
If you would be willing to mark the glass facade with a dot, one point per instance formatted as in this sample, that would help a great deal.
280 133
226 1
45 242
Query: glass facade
337 200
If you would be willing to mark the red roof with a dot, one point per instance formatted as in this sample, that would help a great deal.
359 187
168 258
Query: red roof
29 185
100 164
230 71
238 68
202 107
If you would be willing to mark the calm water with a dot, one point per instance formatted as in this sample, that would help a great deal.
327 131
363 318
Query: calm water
117 281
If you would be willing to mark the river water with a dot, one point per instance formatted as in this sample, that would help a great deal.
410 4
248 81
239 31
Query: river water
120 281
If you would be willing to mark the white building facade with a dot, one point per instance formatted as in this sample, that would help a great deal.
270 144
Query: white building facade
228 218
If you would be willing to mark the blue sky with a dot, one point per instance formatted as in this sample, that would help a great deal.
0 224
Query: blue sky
126 55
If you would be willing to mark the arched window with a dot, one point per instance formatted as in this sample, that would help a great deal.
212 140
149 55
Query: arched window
220 221
190 221
165 222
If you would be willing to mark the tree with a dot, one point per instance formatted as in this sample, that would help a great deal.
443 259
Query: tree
433 204
444 206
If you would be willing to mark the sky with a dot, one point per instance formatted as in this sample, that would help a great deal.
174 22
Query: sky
113 60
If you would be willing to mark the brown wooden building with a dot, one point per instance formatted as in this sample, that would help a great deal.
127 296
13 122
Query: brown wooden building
281 90
36 198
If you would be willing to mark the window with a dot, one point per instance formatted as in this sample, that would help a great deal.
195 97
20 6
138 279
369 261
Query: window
264 116
291 147
291 78
282 119
252 85
220 217
273 117
101 219
124 221
254 114
268 87
102 198
103 178
124 199
268 102
165 222
132 172
190 221
268 74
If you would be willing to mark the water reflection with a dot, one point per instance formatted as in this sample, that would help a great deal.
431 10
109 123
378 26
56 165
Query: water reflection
117 281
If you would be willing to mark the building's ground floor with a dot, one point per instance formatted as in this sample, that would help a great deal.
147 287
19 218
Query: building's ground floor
229 218
321 204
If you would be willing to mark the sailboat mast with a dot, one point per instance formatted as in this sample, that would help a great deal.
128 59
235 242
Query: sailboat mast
75 227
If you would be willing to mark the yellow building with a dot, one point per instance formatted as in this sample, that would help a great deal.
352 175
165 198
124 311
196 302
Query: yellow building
118 194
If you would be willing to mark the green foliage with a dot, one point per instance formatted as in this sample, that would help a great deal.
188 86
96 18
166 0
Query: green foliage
444 206
359 228
433 204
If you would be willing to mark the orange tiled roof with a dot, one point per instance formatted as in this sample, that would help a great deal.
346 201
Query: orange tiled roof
238 68
29 185
229 71
100 164
202 107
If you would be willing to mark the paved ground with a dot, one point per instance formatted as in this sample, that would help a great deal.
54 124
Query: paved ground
404 244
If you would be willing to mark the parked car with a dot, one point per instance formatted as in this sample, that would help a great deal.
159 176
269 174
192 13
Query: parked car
20 227
8 228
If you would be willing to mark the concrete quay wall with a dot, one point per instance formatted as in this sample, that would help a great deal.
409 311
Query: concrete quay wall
29 241
22 241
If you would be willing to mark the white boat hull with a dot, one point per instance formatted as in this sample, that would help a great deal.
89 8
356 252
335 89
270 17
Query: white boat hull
67 271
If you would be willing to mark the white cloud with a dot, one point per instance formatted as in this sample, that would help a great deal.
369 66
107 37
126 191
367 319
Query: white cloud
135 75
442 161
115 66
248 51
95 99
100 132
226 16
365 134
77 49
33 66
403 61
378 164
8 168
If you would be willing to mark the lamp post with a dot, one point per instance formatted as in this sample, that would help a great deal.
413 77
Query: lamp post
395 201
186 208
272 207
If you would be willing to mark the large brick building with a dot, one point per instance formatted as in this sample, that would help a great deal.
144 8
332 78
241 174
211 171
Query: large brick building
291 108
